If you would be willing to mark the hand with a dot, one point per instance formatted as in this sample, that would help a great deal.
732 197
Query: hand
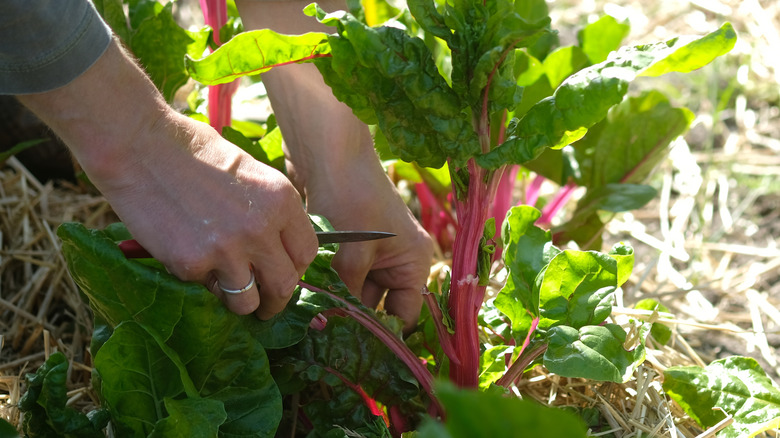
207 210
210 213
365 199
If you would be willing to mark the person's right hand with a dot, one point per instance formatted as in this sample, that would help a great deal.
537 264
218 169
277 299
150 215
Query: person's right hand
207 210
210 213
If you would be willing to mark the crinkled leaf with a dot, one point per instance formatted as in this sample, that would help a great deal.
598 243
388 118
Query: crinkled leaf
594 352
45 410
120 289
737 385
601 37
345 350
585 97
426 15
191 417
390 79
255 52
486 414
577 288
527 251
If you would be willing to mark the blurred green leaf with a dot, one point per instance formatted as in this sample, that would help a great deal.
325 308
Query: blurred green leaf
254 52
601 37
564 62
160 45
737 385
691 55
485 414
584 98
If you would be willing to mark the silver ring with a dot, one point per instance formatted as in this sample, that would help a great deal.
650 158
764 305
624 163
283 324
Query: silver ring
243 289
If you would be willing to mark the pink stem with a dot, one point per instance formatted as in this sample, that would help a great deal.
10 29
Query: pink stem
532 192
220 96
369 402
395 344
550 210
466 295
503 201
445 338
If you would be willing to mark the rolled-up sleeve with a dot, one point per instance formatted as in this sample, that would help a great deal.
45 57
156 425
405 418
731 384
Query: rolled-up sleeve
46 44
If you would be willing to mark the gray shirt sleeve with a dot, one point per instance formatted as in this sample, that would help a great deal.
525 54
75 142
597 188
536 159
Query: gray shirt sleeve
46 44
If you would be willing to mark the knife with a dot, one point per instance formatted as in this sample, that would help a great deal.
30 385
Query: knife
133 250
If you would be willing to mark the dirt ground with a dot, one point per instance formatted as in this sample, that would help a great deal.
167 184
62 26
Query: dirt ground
708 247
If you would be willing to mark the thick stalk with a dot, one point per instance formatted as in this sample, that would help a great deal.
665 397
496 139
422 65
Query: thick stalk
466 295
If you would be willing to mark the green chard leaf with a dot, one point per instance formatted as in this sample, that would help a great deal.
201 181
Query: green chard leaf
631 141
623 253
527 252
191 417
45 410
7 430
737 385
597 352
584 98
473 413
659 332
390 79
163 319
577 289
345 355
136 376
254 52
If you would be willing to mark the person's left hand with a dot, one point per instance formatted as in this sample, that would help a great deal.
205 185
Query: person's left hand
363 198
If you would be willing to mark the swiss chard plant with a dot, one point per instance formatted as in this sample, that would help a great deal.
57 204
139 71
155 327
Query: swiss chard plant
476 121
467 94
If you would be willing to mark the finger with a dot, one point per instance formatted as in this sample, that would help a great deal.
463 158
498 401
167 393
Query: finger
352 262
276 277
300 244
372 293
237 288
406 304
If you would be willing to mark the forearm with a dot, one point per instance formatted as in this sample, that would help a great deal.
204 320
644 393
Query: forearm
323 138
102 113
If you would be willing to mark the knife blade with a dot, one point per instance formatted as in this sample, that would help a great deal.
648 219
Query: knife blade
133 250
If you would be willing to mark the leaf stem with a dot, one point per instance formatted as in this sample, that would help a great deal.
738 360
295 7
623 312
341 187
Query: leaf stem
550 210
393 342
445 338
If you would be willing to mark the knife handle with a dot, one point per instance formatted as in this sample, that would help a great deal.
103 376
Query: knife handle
133 250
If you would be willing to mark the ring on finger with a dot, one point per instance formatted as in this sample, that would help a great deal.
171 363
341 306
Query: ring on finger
250 285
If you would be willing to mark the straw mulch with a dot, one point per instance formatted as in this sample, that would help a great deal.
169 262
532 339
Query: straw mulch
708 247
